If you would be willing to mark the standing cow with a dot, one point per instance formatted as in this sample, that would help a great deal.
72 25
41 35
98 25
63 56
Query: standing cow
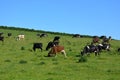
37 46
9 34
20 37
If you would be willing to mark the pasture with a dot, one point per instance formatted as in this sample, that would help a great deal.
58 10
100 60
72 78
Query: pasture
19 62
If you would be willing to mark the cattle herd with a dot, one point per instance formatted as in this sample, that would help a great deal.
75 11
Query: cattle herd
94 47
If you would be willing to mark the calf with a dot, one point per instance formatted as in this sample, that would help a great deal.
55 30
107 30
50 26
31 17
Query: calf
37 45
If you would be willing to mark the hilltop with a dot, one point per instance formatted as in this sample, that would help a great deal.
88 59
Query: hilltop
20 62
42 31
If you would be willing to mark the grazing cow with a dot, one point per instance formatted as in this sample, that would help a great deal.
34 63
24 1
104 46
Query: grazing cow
37 46
9 34
95 39
106 40
43 35
1 38
55 49
104 47
56 38
19 37
76 36
89 49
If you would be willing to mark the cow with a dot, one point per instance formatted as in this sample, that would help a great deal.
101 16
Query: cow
49 45
9 34
104 46
42 35
56 40
55 49
76 36
37 46
106 40
19 37
90 49
95 39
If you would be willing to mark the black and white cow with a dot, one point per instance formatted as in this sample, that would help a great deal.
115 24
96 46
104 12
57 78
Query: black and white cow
90 49
104 47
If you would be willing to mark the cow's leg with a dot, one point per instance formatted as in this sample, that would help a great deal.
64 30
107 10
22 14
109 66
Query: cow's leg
96 53
34 48
41 49
63 51
82 53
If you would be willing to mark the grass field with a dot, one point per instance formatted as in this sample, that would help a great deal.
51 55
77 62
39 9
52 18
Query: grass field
19 62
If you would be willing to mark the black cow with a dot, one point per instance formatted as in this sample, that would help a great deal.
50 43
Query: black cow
37 46
43 35
9 34
76 36
49 45
56 40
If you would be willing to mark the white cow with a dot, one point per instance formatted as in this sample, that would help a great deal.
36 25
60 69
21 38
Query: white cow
19 37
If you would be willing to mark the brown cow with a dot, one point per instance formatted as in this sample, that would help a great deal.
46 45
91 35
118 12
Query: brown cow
57 49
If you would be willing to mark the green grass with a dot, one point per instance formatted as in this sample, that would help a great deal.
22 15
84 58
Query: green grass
19 62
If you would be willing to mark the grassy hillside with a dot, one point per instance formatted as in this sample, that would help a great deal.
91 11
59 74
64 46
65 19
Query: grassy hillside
19 62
